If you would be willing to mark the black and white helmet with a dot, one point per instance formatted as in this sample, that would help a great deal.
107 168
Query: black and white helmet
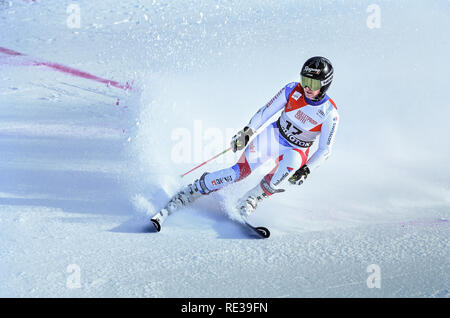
317 72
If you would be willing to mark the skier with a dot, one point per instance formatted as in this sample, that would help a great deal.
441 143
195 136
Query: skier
307 113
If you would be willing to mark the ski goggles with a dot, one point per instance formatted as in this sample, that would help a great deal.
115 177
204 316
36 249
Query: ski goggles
313 84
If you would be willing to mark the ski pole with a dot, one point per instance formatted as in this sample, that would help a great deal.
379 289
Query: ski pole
226 150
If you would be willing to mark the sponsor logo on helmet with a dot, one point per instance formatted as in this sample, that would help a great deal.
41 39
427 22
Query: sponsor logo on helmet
326 81
312 70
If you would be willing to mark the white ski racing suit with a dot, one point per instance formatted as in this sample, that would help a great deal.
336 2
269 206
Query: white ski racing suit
286 140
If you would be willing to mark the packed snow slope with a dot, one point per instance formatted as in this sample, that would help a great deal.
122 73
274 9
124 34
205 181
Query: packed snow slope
84 164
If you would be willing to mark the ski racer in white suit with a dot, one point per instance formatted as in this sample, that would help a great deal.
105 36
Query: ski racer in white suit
307 112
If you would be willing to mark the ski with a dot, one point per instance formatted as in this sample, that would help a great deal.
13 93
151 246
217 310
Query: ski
156 224
181 199
262 231
158 219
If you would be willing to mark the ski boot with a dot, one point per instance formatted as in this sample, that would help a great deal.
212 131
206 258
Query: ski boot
248 203
187 195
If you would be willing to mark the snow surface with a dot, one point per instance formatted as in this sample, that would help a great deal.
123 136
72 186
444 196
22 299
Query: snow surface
82 165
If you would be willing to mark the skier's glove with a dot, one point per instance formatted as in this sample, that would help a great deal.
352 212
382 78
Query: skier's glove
300 175
241 139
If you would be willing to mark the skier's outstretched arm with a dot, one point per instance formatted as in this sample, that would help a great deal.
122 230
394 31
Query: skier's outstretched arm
268 110
326 141
327 137
276 104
